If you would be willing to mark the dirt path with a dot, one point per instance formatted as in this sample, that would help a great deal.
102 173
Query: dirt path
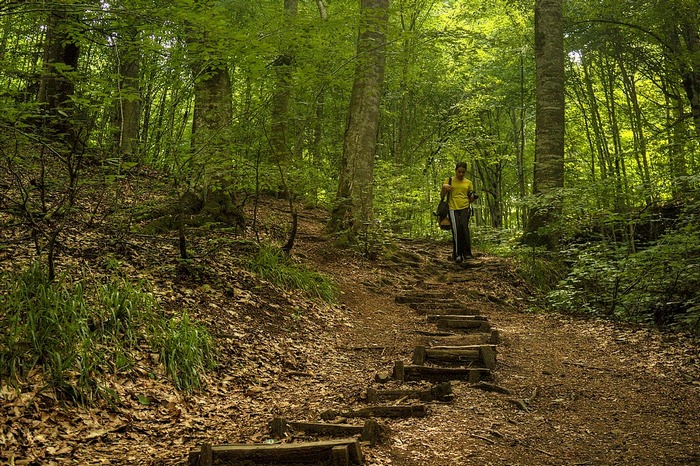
583 391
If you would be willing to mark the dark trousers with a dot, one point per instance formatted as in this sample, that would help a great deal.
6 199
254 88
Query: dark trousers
461 240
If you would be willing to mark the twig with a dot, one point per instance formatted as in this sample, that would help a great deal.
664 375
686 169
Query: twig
487 440
586 366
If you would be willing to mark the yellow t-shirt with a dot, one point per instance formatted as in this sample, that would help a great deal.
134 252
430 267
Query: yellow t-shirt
459 196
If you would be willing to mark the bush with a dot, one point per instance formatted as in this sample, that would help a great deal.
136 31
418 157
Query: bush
659 285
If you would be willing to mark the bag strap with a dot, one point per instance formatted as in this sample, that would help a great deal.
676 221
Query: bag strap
448 193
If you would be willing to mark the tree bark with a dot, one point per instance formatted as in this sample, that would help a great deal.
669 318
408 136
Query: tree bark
128 111
283 65
61 54
549 135
353 204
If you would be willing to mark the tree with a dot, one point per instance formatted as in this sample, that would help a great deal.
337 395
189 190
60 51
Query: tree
353 204
57 86
127 116
549 137
282 94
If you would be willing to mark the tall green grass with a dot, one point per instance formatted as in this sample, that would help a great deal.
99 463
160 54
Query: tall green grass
75 332
271 264
186 350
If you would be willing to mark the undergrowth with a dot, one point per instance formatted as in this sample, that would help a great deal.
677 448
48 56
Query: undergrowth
272 264
78 332
658 285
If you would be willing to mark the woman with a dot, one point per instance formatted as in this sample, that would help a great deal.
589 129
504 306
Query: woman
461 195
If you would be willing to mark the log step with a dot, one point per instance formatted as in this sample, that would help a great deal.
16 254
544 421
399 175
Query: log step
482 355
439 392
433 318
440 374
368 432
456 339
442 309
398 411
341 452
474 325
427 297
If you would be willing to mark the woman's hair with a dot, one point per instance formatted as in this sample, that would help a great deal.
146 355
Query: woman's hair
461 165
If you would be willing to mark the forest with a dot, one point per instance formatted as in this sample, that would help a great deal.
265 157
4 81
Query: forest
132 122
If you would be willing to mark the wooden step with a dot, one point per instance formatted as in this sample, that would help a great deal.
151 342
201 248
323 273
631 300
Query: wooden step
481 355
443 338
424 297
437 317
439 374
341 452
367 432
471 325
442 309
389 411
439 392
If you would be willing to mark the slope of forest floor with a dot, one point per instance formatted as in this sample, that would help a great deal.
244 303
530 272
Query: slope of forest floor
583 391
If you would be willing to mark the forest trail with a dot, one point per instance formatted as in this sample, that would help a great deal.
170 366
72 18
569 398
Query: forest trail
582 391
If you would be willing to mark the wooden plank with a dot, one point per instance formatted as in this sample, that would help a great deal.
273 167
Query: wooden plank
434 334
456 339
438 392
437 317
484 355
470 374
279 426
367 432
473 325
285 453
456 355
423 297
393 411
442 309
464 347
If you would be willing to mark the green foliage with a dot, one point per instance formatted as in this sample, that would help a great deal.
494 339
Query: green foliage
273 265
539 268
404 202
186 350
659 284
77 332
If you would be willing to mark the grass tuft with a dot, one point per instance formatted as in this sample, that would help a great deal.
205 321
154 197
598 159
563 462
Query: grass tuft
271 264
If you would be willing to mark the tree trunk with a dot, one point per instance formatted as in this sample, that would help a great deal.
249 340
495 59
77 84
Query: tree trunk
549 136
283 65
212 111
637 125
353 205
522 218
128 111
61 53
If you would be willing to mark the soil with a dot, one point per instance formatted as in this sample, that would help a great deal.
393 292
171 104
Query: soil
583 391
